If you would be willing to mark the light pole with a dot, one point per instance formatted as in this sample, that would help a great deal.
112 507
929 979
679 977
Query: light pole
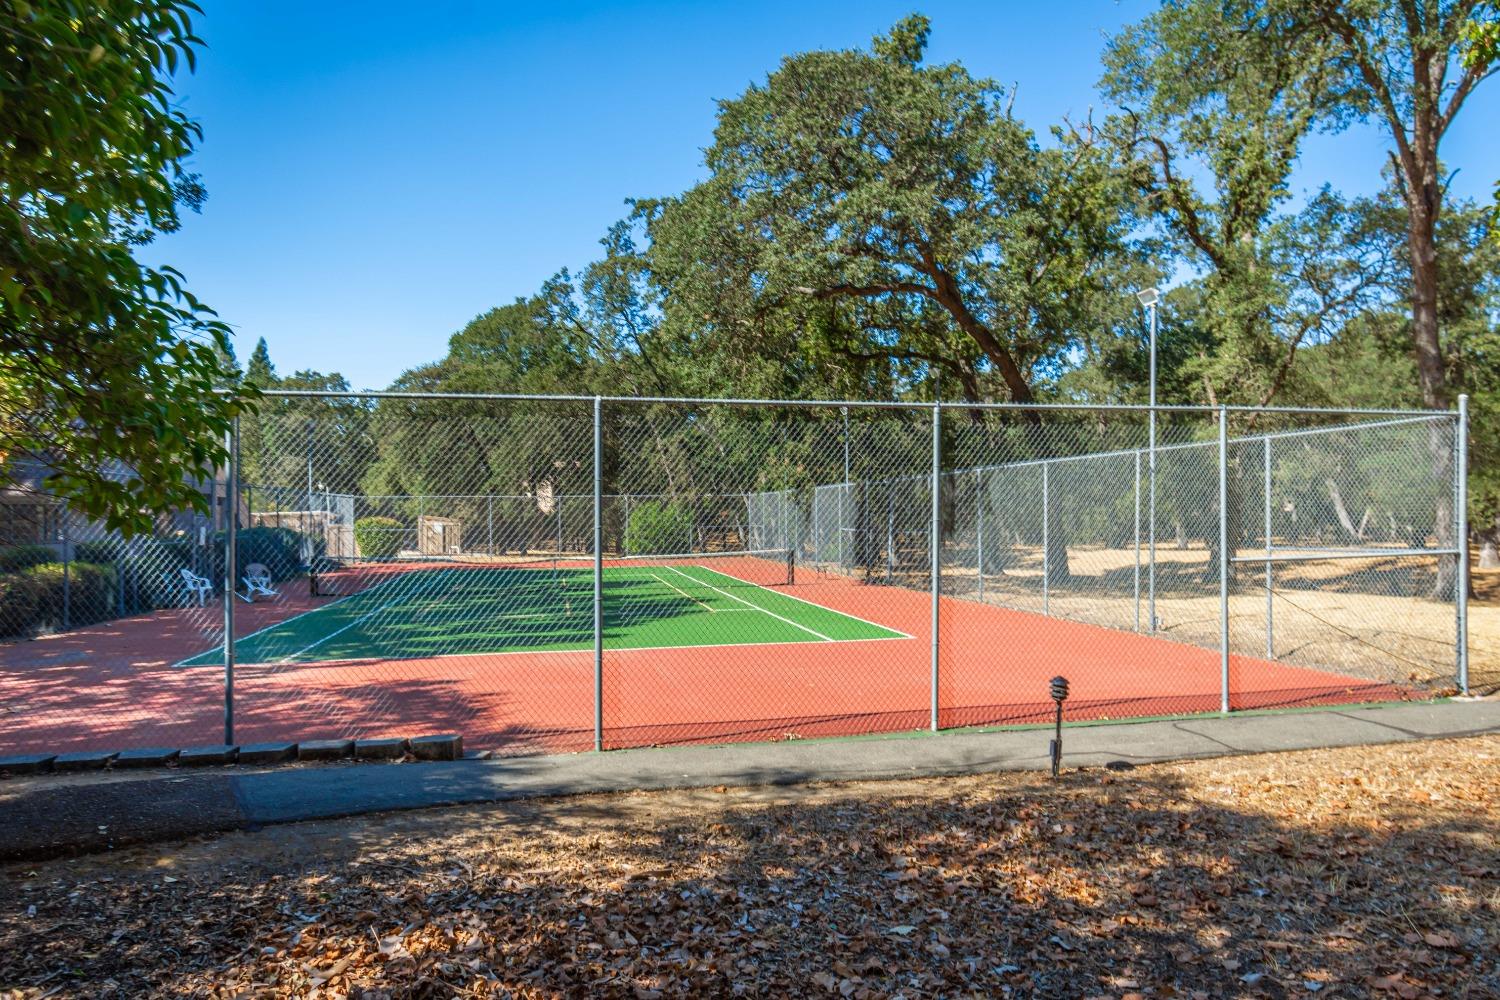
1149 297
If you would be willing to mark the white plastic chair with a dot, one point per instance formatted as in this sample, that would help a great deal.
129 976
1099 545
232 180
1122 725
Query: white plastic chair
194 585
258 583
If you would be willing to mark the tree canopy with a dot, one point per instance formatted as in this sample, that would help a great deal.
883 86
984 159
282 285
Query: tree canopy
110 371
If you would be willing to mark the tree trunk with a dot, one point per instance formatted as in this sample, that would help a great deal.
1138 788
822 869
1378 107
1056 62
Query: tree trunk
1424 202
1355 532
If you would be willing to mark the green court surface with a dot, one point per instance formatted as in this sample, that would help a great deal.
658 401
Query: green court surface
456 611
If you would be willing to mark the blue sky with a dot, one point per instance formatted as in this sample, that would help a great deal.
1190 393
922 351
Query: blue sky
380 173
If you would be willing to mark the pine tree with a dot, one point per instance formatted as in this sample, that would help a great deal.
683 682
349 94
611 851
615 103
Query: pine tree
260 372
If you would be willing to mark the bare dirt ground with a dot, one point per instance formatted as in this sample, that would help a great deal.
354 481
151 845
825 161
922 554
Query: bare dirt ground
1364 872
1369 618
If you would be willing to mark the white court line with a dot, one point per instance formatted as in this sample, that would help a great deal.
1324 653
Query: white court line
757 607
684 593
368 614
275 625
586 650
895 633
813 604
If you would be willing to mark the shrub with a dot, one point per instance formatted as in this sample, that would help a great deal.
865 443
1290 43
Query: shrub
19 557
36 597
280 550
659 526
149 567
106 550
378 537
18 605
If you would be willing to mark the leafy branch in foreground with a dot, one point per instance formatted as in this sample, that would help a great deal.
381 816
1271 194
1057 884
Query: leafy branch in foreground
112 376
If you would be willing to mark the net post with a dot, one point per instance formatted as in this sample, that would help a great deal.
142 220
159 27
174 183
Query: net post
231 511
791 567
1136 578
890 534
1223 560
1270 611
1461 540
817 553
933 546
598 575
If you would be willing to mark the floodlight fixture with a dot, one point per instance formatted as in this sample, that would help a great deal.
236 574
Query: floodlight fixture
1148 297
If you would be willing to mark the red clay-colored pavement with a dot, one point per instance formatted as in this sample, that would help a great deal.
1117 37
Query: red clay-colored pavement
112 686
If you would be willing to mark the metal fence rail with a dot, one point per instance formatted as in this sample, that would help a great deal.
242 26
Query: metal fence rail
573 572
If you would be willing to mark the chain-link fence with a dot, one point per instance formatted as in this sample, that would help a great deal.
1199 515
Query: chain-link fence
569 572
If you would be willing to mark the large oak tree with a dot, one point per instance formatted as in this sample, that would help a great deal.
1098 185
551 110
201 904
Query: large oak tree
888 207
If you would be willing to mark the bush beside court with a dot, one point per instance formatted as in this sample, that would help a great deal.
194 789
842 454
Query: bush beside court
34 598
114 578
378 537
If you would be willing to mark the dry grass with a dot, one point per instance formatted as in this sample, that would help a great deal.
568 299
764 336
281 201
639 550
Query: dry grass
1369 618
1362 872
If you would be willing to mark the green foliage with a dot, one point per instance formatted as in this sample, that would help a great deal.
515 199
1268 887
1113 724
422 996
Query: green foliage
1481 51
33 599
378 537
287 435
660 526
108 368
149 567
883 210
18 557
279 550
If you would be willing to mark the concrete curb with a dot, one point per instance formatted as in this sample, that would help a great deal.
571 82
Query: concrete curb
68 819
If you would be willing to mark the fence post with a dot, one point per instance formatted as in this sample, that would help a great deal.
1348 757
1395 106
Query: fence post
1270 611
598 576
67 608
489 524
843 490
934 546
1136 580
231 521
1223 559
1461 536
1151 525
979 528
307 526
1046 548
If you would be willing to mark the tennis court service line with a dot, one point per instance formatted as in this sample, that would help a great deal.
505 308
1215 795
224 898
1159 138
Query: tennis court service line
757 607
368 614
656 576
274 625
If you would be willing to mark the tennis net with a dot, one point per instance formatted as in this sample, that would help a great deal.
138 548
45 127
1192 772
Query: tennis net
748 567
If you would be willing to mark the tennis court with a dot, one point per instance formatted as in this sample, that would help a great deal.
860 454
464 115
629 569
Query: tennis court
657 602
707 648
840 571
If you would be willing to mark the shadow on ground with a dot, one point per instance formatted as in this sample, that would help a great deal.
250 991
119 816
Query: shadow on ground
1351 873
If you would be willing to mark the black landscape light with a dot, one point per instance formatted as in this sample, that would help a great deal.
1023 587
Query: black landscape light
1059 695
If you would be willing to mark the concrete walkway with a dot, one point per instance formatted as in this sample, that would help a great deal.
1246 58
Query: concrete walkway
42 819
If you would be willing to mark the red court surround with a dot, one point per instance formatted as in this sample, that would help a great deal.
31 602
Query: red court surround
112 686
